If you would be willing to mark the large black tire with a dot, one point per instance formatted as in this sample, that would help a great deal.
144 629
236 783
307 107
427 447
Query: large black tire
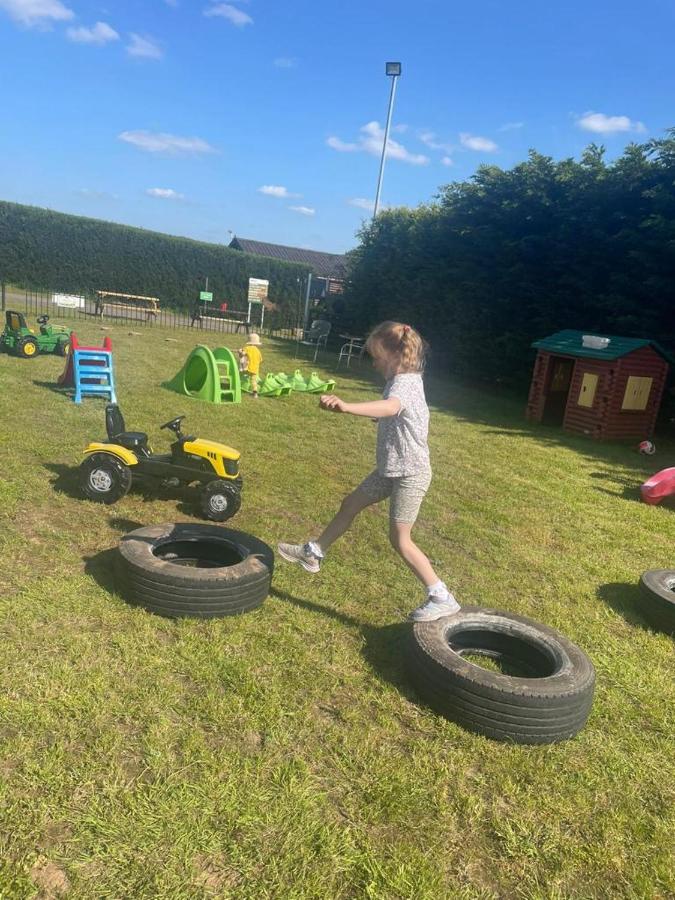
104 479
219 500
658 598
549 700
27 347
62 348
194 570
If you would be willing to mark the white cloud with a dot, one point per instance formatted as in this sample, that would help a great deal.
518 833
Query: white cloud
229 12
277 190
447 161
429 138
371 140
164 194
285 62
511 126
36 12
341 146
362 203
144 48
303 210
474 142
599 123
169 144
100 34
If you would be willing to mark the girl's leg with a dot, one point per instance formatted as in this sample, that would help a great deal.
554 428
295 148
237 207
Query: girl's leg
415 559
372 490
350 507
406 499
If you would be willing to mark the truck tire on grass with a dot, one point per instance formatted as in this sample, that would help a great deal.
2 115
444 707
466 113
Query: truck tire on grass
104 479
658 598
193 570
27 347
219 500
547 699
63 348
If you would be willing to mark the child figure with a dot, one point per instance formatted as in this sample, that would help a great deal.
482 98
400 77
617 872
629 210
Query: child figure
403 470
250 359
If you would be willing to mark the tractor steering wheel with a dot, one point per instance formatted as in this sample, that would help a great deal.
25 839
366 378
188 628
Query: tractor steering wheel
42 320
174 425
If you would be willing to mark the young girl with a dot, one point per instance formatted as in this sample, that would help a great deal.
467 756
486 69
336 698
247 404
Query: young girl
403 471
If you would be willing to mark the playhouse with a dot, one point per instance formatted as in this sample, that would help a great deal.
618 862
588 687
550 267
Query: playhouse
603 386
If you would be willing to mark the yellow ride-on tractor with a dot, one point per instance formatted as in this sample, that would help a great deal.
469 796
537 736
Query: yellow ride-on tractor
111 466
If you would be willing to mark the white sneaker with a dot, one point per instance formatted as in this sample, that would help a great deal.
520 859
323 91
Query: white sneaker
300 553
435 607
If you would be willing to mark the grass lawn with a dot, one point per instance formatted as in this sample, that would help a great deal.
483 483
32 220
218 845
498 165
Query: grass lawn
282 754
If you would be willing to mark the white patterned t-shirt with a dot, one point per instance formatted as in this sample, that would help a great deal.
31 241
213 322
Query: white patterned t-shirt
402 439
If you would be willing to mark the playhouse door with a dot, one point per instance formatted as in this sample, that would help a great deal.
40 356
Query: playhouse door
557 390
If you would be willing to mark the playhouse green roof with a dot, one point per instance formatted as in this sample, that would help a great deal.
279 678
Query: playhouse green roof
569 343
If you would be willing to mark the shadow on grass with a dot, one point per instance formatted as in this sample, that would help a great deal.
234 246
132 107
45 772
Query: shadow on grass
66 481
385 647
626 599
629 488
124 526
103 567
55 387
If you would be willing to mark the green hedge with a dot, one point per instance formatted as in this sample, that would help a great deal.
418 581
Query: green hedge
513 255
45 250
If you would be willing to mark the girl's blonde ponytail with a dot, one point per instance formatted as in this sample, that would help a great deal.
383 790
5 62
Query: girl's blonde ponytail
401 343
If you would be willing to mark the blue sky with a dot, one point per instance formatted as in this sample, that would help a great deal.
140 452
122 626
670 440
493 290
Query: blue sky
201 117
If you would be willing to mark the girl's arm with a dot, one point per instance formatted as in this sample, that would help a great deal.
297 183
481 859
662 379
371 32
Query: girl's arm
374 409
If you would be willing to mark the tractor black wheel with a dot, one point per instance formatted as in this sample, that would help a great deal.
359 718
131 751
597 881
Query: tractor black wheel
546 696
104 479
27 347
219 500
194 570
658 598
63 348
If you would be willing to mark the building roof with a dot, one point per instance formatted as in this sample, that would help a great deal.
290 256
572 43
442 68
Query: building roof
325 265
569 343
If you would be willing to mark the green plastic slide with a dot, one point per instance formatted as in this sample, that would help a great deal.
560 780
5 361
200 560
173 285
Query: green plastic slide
316 386
211 376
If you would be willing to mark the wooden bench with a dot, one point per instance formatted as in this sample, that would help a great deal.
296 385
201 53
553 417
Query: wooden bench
145 307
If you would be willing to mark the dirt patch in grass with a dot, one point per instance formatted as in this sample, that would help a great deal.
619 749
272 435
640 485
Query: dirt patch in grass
54 834
214 875
50 879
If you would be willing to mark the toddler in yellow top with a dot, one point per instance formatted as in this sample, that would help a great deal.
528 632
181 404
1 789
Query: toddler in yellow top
254 356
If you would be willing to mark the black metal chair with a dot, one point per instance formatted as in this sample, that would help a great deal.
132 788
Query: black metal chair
316 335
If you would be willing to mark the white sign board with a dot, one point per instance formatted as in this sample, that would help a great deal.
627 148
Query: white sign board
70 300
257 290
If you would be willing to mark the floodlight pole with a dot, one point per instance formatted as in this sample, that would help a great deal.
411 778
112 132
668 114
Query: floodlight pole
393 70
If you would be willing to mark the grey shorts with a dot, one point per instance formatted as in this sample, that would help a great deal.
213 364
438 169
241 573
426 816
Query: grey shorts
406 492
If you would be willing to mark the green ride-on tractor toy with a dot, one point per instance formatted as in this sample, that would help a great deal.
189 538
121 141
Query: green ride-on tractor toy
18 338
112 466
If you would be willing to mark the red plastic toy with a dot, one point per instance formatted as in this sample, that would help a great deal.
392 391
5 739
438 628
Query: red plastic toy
67 378
659 486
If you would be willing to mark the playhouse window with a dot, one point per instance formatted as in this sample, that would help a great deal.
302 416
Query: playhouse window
589 385
638 389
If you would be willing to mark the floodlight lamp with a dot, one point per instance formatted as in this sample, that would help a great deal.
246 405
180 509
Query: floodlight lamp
393 68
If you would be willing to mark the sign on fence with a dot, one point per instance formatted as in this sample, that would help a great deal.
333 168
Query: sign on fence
257 290
72 301
206 296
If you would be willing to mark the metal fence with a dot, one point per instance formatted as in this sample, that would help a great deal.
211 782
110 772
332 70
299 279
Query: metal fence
86 307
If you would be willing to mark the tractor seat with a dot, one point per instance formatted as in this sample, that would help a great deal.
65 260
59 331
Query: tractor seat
114 425
132 440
